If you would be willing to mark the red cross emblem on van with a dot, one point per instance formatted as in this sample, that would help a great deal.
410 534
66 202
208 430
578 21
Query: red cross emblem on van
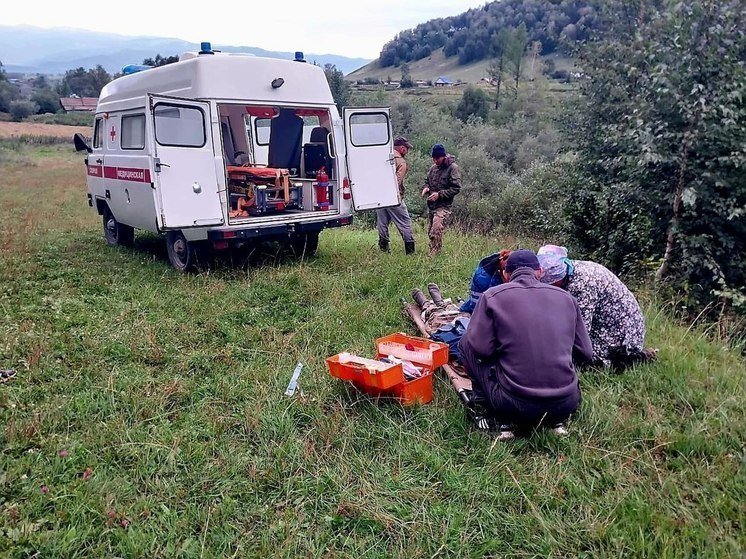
113 133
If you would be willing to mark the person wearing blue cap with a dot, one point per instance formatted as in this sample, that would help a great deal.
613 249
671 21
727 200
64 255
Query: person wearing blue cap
519 350
442 184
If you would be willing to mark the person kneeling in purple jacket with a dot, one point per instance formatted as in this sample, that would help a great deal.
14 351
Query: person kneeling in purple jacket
519 350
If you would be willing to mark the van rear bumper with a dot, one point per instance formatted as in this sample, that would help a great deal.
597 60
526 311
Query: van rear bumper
276 231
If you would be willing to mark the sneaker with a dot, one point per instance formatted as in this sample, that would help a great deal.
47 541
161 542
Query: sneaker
505 433
482 423
560 430
480 415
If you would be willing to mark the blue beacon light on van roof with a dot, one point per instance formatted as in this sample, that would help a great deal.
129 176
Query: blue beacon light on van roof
134 68
205 48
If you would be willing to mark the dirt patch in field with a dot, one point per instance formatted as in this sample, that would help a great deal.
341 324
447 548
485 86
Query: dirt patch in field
17 129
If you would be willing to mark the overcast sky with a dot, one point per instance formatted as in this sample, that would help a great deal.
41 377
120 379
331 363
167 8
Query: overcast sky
346 27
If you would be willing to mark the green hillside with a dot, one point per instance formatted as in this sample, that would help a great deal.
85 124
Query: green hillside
429 68
437 64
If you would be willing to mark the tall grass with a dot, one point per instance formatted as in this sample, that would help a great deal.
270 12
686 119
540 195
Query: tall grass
148 417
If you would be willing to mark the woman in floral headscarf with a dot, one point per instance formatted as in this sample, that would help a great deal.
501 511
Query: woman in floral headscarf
610 312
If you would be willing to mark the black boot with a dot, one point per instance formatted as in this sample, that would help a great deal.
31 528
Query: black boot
383 245
419 298
409 247
435 294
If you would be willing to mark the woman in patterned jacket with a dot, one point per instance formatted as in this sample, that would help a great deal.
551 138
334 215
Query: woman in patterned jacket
610 311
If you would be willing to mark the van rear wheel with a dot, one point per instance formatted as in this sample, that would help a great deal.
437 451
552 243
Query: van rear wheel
115 233
304 244
184 255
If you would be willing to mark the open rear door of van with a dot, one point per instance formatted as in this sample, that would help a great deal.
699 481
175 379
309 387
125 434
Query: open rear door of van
370 158
184 163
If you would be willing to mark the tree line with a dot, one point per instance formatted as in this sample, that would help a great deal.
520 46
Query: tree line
473 35
46 92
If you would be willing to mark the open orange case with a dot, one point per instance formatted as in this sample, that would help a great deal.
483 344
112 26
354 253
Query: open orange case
387 379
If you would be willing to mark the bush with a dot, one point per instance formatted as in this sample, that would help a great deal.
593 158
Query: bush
660 136
22 109
406 82
562 75
47 100
540 148
474 102
531 203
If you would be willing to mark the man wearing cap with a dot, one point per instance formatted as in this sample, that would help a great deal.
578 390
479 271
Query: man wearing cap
519 350
442 183
398 214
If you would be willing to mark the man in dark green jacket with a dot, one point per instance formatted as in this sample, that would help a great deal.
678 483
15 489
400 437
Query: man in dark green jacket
443 182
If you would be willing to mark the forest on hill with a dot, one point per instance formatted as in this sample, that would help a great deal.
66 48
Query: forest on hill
472 35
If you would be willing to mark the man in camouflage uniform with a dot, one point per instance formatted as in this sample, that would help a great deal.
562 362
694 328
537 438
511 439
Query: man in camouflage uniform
443 182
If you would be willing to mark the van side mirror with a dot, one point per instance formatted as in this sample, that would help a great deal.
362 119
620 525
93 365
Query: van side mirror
80 143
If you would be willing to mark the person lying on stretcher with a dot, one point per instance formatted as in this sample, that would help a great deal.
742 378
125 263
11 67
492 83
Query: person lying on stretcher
443 320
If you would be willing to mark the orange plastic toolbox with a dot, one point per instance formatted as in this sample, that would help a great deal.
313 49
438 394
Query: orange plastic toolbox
380 380
420 351
352 368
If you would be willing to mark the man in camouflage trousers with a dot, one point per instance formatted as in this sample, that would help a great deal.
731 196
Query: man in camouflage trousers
443 182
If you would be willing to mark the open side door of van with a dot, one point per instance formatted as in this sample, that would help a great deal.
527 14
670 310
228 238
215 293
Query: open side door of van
370 158
184 163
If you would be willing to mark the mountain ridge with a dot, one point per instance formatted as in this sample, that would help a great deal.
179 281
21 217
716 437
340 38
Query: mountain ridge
32 49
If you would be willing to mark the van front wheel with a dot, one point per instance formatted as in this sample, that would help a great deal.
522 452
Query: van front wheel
115 233
304 244
183 255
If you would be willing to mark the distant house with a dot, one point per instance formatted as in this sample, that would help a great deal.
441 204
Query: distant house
442 81
70 104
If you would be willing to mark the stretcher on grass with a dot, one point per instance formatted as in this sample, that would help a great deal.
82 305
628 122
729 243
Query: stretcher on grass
461 384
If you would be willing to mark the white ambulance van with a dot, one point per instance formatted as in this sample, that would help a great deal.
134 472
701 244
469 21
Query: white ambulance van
221 149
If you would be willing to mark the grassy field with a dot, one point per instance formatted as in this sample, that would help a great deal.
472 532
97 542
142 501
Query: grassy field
148 418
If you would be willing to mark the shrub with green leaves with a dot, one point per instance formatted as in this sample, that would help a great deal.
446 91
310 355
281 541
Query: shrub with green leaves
474 103
661 136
